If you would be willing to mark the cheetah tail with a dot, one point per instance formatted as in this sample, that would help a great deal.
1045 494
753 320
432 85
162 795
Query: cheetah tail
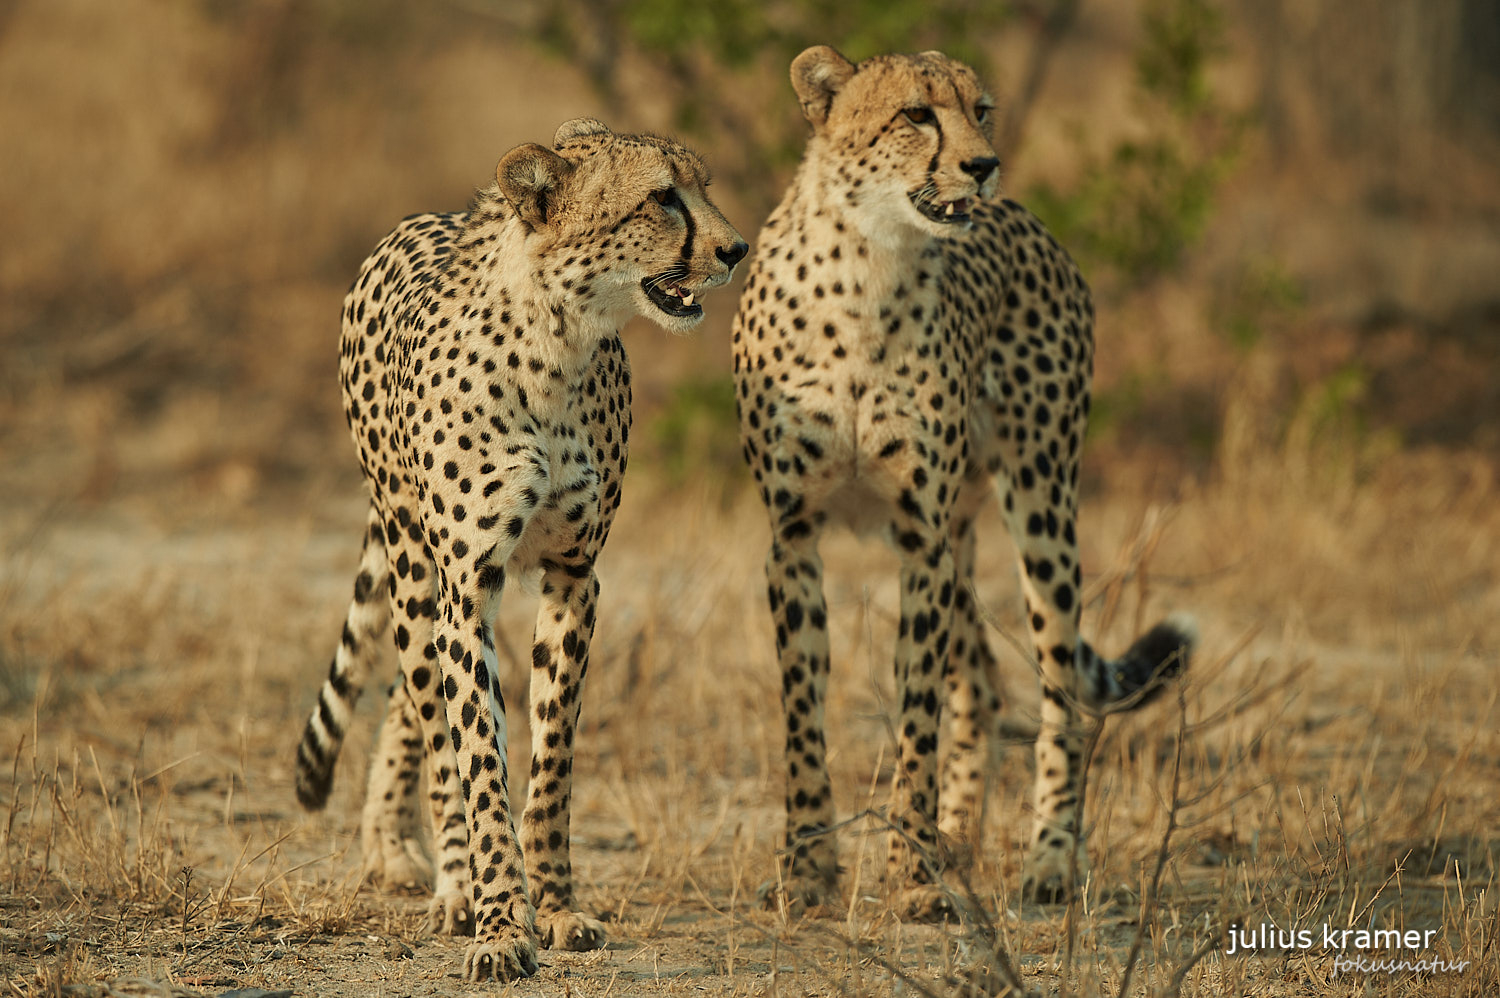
359 650
1138 676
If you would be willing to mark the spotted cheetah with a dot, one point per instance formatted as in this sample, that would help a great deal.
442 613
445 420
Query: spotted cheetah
905 346
488 394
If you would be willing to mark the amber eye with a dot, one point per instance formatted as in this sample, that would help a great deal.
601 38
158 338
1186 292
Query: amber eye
665 196
918 115
982 111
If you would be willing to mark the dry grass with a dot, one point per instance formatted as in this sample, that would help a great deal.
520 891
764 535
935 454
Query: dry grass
1333 748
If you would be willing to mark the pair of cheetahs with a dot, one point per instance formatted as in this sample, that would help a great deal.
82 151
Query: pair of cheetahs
905 347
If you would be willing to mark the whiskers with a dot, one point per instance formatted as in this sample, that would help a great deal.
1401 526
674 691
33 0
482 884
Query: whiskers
671 276
925 196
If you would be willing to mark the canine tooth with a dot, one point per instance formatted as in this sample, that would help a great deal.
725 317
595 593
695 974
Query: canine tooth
687 299
950 208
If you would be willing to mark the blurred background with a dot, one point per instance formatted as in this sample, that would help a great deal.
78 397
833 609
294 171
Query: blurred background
1290 212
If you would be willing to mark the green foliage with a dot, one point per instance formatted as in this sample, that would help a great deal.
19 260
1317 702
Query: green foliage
733 30
738 33
1333 407
1120 405
1138 206
723 60
1261 296
1135 210
1328 440
697 432
1182 36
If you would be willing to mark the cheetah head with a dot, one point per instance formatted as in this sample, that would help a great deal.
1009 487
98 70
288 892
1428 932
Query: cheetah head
904 139
621 224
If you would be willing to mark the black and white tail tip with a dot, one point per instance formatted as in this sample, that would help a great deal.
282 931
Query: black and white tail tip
1157 656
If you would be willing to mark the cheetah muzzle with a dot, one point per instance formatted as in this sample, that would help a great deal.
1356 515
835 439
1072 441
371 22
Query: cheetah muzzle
955 212
668 294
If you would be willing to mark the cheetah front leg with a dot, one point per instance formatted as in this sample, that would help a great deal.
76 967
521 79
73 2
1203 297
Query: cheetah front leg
794 577
560 661
928 588
504 919
971 709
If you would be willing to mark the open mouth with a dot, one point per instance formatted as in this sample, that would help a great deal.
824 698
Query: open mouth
669 296
945 212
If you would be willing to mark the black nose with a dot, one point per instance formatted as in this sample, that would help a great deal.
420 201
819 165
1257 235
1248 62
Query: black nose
980 167
733 254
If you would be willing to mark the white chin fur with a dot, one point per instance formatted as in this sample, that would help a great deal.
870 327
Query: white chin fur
678 325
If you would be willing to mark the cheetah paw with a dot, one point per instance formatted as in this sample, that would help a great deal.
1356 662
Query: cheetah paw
799 897
926 903
570 930
398 864
1047 875
979 980
449 914
508 956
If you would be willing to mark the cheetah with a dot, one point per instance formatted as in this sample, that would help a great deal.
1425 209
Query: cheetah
488 394
906 346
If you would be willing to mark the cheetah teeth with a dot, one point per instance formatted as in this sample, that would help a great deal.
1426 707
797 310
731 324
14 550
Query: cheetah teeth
671 296
948 212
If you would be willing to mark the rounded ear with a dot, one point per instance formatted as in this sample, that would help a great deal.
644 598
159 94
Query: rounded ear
817 74
579 128
530 177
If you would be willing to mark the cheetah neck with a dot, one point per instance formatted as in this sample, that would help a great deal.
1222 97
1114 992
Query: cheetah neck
518 316
878 253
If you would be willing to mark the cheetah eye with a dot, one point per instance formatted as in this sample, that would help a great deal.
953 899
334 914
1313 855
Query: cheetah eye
666 197
982 112
919 115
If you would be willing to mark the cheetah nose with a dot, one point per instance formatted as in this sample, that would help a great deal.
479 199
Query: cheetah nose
733 255
980 167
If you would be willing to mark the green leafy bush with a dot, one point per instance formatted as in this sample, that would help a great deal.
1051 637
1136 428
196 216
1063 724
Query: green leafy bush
1140 205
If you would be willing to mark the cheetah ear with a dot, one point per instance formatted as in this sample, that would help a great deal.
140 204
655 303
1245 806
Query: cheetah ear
581 128
530 177
817 74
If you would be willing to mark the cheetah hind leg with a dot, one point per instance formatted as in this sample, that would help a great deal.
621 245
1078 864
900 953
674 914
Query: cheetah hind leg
451 911
389 828
570 930
929 903
800 895
1058 861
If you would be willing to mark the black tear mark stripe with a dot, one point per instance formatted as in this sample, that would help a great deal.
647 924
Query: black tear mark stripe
692 230
932 164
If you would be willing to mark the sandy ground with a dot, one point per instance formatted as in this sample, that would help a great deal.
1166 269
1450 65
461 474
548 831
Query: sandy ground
158 670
